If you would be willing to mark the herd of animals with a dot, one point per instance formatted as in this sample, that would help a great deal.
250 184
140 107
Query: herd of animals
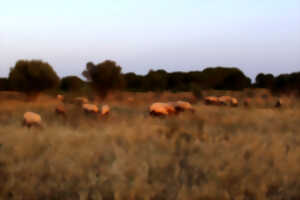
155 109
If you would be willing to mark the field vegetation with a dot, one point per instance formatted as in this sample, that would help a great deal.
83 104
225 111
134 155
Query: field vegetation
218 153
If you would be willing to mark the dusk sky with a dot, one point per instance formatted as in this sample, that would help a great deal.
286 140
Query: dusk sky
177 35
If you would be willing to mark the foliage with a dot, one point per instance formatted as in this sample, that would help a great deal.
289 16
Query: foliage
134 82
104 77
156 80
287 83
283 83
32 76
4 84
71 83
179 81
264 80
219 78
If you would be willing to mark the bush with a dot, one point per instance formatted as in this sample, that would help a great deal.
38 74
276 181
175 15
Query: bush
221 78
134 82
287 84
104 77
4 84
32 77
71 83
156 80
264 80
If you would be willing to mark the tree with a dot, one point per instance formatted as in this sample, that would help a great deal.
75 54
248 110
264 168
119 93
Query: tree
264 80
236 80
71 83
32 77
287 83
178 81
90 67
156 80
4 84
222 78
134 82
104 77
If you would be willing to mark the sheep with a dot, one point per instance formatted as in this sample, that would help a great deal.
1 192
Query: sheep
60 110
234 102
81 100
161 109
228 100
105 110
278 103
224 100
90 108
60 97
211 100
32 119
181 106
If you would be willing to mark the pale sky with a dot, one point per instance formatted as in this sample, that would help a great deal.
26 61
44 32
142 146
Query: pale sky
176 35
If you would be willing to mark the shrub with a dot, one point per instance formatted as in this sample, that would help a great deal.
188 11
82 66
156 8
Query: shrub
104 77
4 84
32 77
71 83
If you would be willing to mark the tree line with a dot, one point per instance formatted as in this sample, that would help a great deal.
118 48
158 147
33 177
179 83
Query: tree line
34 76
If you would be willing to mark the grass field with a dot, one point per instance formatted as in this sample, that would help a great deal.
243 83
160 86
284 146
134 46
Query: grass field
218 153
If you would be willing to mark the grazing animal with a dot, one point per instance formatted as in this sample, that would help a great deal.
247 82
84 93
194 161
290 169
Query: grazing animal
60 110
162 109
181 106
60 97
105 110
32 119
278 103
211 100
234 102
81 100
225 100
90 108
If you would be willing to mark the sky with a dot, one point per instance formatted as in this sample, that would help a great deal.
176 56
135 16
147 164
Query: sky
176 35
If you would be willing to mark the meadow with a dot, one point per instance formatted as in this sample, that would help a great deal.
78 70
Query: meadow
217 153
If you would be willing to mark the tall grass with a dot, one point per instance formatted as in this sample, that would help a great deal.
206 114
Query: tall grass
217 153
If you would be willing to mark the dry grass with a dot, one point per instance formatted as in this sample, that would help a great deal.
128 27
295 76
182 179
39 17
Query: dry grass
218 153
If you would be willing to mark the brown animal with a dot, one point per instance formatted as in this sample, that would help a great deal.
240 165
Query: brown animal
60 97
211 100
225 100
81 100
234 102
105 110
278 103
32 119
162 109
181 106
60 110
90 108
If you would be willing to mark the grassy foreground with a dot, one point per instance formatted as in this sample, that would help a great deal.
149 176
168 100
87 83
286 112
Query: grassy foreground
219 153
